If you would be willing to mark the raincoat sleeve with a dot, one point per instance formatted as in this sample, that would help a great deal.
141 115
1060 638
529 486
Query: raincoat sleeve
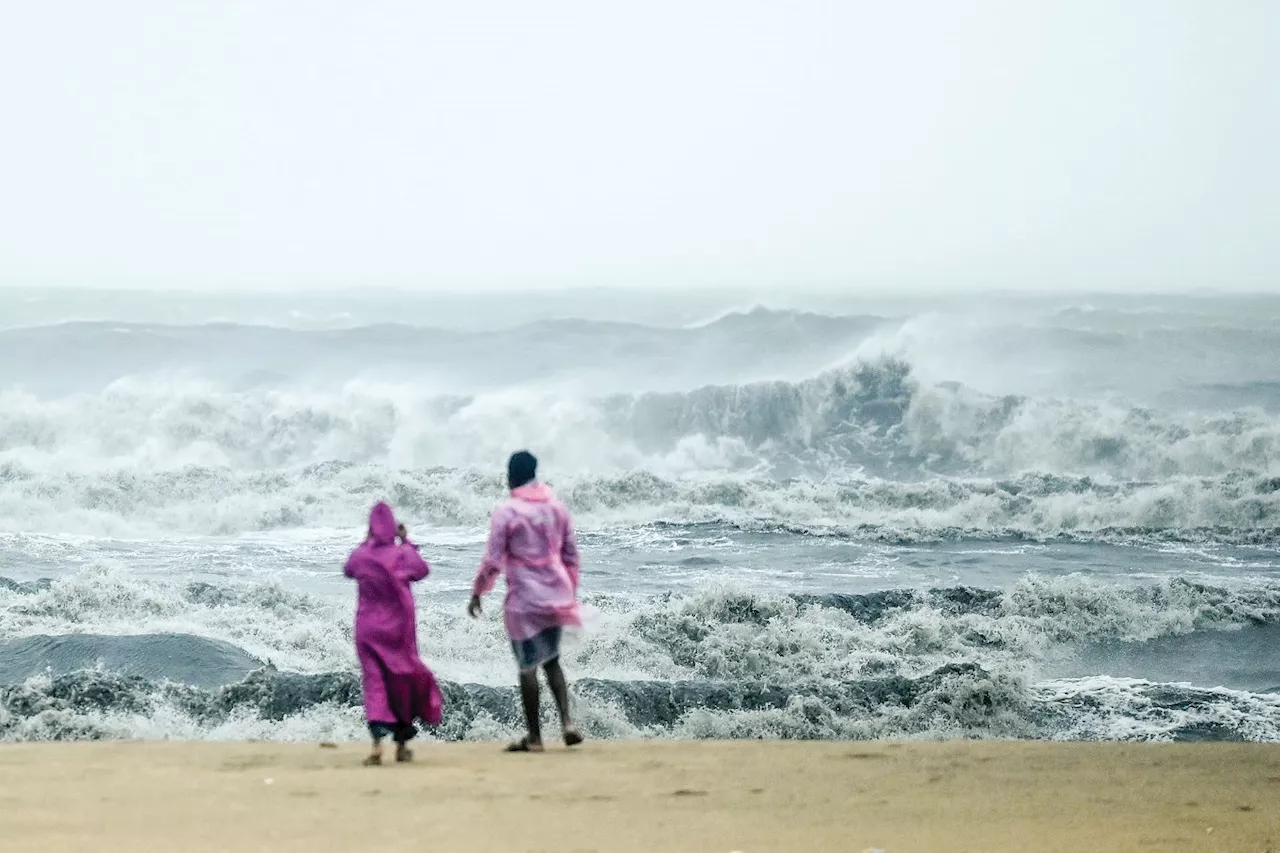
569 549
409 563
495 555
351 568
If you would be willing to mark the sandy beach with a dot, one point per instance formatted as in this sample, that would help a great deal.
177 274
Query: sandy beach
669 796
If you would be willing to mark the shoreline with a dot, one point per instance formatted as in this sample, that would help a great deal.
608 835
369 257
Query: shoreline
720 796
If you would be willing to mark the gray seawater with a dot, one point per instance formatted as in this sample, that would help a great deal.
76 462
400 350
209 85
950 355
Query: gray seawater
803 516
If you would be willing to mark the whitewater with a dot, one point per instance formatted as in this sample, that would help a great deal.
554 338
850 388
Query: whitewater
801 515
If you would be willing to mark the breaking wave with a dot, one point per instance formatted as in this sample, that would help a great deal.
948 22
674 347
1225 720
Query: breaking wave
864 450
953 702
190 488
723 662
1237 507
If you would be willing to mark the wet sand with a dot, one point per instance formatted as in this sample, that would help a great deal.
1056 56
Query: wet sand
710 797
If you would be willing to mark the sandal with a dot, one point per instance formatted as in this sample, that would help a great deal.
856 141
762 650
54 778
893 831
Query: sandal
523 745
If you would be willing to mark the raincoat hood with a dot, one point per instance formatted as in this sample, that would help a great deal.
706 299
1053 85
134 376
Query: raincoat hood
382 525
535 491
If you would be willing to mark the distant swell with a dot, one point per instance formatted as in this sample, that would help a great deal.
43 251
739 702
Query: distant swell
85 356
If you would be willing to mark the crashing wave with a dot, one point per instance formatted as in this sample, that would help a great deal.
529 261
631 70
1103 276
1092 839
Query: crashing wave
955 701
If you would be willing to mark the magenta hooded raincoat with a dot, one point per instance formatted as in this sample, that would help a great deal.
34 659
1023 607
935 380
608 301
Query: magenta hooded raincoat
531 542
398 686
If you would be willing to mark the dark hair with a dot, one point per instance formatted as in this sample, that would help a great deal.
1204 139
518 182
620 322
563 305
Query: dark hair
522 468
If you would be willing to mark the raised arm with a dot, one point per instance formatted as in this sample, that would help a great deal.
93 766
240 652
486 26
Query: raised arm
569 548
409 563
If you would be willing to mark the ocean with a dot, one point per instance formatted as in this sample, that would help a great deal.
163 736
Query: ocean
802 515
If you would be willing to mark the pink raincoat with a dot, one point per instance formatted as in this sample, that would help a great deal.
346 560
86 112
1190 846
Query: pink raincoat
531 542
398 687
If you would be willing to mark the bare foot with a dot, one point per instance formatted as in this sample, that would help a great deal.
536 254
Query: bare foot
572 737
403 753
373 760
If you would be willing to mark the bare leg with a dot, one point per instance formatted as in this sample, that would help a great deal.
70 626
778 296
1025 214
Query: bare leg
529 698
555 678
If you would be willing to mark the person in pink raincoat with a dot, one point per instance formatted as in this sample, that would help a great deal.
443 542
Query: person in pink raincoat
531 542
398 687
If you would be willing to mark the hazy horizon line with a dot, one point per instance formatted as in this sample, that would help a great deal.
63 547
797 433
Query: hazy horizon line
532 290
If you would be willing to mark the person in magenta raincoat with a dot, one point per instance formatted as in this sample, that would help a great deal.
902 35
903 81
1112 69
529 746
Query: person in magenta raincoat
531 542
398 686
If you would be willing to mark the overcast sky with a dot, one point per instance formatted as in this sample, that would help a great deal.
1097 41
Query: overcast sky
189 144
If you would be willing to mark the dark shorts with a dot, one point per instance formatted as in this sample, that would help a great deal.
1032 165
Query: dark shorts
541 648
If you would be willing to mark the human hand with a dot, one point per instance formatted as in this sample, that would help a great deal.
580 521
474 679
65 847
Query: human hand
473 607
402 532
